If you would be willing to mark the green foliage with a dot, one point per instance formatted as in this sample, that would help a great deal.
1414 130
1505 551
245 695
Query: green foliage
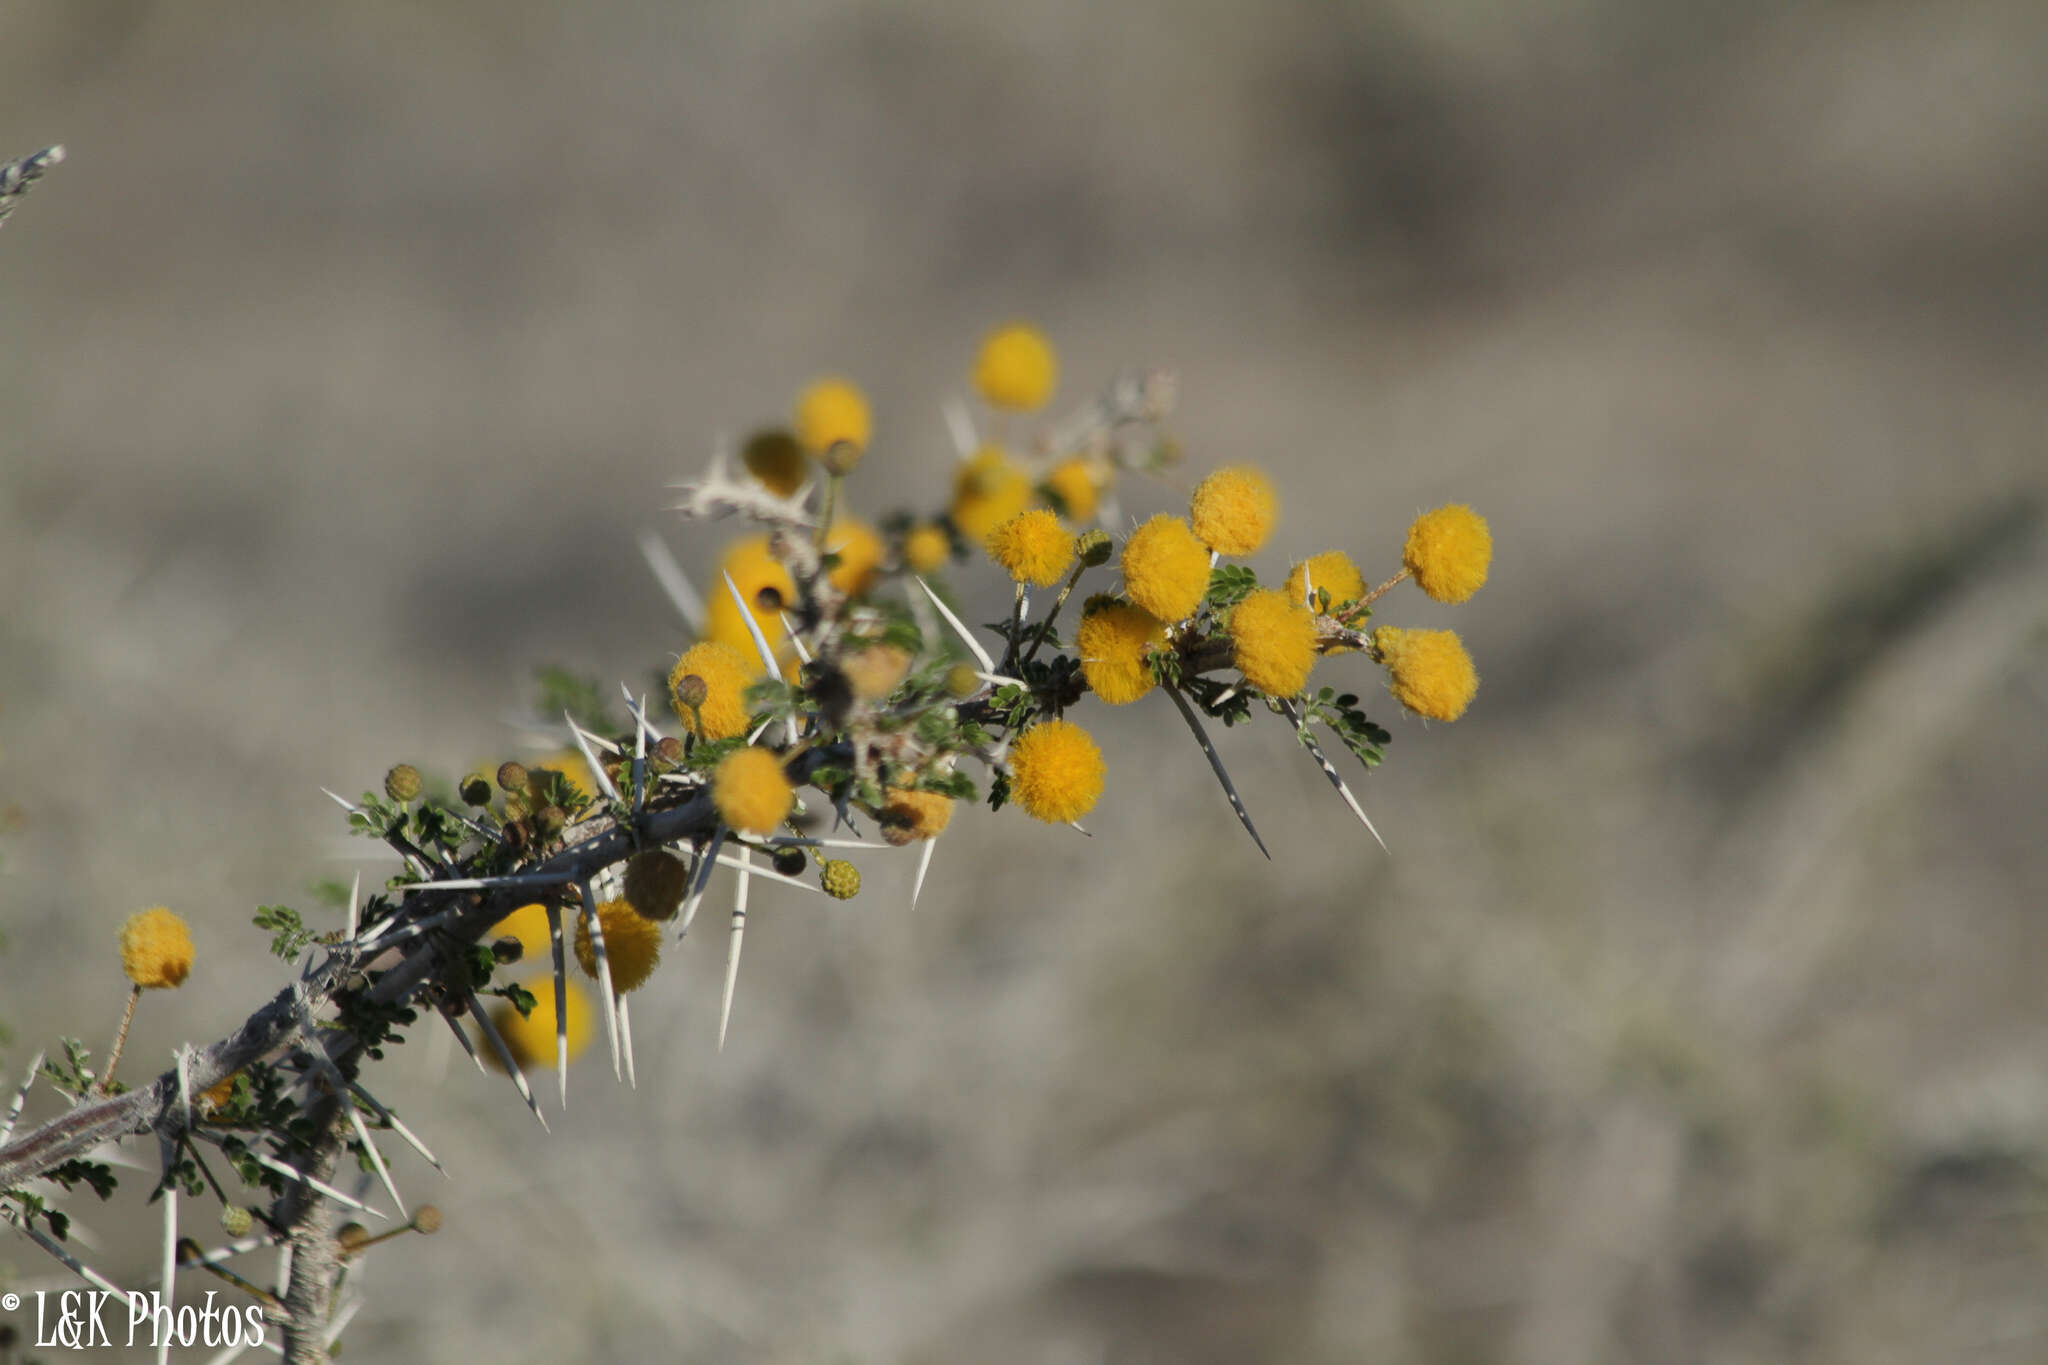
585 701
290 936
73 1073
1229 584
1340 712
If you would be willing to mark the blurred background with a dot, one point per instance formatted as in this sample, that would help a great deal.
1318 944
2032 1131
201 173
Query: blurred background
1696 1015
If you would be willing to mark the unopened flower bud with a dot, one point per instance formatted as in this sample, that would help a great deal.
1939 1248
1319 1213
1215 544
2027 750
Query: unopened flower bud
1095 547
427 1220
840 457
692 691
841 879
402 783
670 750
512 776
507 950
475 790
352 1237
790 860
962 681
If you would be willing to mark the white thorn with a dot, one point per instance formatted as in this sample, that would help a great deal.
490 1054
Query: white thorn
355 896
960 426
626 1042
924 864
704 870
604 977
803 656
981 655
560 955
35 1066
754 629
673 581
1194 721
604 784
163 1347
1308 741
739 933
505 1056
376 1157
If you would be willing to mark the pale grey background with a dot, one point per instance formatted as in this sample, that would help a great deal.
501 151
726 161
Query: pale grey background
1695 1017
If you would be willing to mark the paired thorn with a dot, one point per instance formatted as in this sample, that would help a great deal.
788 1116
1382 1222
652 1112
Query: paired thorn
1194 721
1308 741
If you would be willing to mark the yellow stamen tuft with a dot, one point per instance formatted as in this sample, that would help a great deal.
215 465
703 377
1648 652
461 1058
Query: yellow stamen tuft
1056 771
1274 642
1166 570
726 677
1449 551
156 949
912 815
1234 510
1432 675
987 491
1033 547
751 792
1113 642
1016 368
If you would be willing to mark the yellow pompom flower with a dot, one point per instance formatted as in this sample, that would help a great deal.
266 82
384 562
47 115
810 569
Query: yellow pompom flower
987 491
1016 368
531 1040
1113 641
726 674
751 792
831 411
926 548
529 925
1273 639
1330 572
632 945
1033 547
765 582
1056 772
1078 486
1449 551
1166 570
874 672
910 815
860 554
1234 510
1432 675
777 460
156 949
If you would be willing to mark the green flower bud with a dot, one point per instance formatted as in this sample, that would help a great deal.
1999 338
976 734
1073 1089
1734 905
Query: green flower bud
402 783
841 879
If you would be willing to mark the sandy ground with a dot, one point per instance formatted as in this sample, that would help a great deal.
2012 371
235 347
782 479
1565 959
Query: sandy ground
1695 1016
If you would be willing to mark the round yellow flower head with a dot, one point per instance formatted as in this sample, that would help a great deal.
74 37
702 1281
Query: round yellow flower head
632 945
1234 510
840 879
777 460
831 411
1016 368
1274 642
765 582
528 924
1330 572
656 881
860 556
1033 547
987 491
910 815
156 949
531 1040
1113 641
1166 570
1449 551
1056 771
874 672
1432 675
751 792
926 548
726 677
1075 483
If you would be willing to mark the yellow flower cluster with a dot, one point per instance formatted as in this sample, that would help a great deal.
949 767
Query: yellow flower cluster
1016 368
1166 570
1033 547
751 791
765 582
156 949
910 815
1234 510
1056 771
531 1039
1077 484
1449 551
1113 642
1273 639
632 945
1432 674
988 490
831 411
1330 572
726 675
926 548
